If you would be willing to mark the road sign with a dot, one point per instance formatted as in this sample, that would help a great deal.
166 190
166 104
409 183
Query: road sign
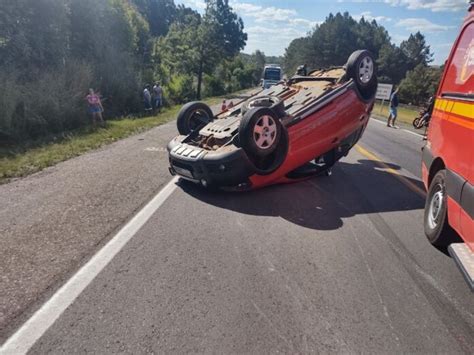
383 91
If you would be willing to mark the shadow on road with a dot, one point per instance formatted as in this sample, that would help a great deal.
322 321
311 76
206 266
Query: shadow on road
322 202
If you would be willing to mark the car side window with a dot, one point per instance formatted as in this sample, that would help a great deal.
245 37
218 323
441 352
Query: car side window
459 80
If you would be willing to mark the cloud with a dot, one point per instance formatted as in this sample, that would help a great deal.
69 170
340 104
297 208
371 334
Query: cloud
271 40
433 5
422 25
398 38
287 32
270 28
263 14
195 4
369 17
303 22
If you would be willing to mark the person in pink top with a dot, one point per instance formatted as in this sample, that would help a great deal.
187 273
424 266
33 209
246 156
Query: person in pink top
95 107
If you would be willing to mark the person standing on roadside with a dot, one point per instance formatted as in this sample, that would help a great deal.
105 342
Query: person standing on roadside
95 107
147 98
224 106
157 96
393 108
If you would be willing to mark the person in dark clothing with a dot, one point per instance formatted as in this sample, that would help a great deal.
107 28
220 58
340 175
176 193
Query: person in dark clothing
427 115
147 99
393 109
302 70
428 110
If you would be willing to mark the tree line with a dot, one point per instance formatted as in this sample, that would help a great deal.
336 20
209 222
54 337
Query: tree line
52 51
331 43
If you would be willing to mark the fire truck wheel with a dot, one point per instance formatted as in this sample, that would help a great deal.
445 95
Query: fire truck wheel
437 229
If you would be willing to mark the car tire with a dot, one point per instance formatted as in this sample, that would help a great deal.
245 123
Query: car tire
272 102
361 67
193 116
259 132
437 229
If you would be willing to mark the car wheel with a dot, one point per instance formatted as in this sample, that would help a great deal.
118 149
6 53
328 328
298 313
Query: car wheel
259 132
437 229
362 69
274 103
193 116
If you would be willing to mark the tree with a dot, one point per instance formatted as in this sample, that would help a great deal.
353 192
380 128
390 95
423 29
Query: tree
416 50
197 44
419 84
332 42
33 34
220 36
296 54
160 14
259 59
392 64
371 36
178 51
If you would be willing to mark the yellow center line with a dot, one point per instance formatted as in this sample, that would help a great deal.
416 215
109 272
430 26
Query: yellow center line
395 173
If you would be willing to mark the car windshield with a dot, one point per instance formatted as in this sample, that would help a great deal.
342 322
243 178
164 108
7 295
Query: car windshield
272 74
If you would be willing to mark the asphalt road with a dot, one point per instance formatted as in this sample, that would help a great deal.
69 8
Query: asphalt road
332 264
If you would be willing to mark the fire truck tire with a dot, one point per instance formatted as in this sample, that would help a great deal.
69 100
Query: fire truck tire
437 229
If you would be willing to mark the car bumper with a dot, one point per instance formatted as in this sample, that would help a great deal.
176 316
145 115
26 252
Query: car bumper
227 166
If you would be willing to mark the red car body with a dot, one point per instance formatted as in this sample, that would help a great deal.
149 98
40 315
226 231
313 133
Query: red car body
450 140
319 133
316 119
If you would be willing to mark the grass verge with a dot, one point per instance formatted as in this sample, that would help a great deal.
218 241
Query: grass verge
33 157
405 114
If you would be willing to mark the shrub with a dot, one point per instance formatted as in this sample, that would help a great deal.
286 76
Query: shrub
213 86
52 103
179 89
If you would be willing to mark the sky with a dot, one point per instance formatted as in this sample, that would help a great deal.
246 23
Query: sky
272 25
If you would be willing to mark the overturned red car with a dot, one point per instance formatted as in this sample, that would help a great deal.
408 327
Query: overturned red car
291 131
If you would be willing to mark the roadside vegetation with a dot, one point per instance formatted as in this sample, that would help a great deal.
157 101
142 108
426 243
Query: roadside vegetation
52 52
406 65
37 155
406 113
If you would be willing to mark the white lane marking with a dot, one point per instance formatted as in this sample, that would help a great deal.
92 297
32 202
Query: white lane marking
34 328
156 149
405 130
416 134
376 120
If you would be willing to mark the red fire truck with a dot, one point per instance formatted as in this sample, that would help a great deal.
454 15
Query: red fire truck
448 156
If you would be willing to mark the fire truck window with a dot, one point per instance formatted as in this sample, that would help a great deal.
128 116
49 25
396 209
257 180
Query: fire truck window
460 75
